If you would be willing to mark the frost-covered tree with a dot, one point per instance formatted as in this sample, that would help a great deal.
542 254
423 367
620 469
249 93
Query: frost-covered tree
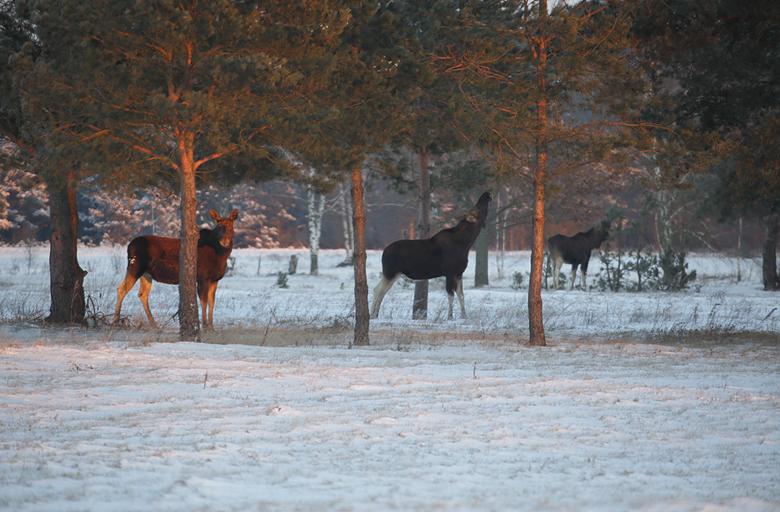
24 212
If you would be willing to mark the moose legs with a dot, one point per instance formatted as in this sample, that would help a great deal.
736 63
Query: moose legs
584 273
583 276
461 298
557 263
207 293
143 293
123 289
455 284
380 290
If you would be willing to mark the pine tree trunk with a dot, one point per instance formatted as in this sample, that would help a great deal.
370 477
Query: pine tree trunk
65 274
500 236
188 251
535 320
361 280
420 304
664 198
482 247
663 219
769 256
481 264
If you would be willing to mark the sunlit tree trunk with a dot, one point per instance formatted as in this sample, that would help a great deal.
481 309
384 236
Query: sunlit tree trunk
361 280
65 274
535 320
420 304
188 251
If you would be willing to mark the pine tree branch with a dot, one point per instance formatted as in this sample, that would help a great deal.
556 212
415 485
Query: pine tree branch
130 143
212 156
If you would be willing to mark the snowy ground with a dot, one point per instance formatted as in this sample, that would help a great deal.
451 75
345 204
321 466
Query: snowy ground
642 402
716 303
608 426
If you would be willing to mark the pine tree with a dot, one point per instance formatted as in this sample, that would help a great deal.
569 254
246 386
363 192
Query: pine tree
357 113
724 58
181 88
556 87
428 106
28 45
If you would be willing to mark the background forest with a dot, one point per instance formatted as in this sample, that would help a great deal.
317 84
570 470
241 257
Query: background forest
351 124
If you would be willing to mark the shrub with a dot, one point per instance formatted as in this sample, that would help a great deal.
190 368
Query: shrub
645 266
612 272
517 280
675 274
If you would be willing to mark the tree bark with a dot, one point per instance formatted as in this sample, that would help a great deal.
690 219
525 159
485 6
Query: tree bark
66 277
481 264
345 202
500 236
482 247
316 209
420 304
188 251
361 281
769 254
663 219
535 320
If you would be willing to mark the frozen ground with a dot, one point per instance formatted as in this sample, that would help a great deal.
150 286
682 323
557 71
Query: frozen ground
656 402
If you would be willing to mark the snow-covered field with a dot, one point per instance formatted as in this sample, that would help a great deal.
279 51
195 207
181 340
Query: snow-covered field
610 426
648 401
247 298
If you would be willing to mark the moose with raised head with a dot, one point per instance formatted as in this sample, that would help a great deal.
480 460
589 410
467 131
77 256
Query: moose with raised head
575 250
157 258
444 254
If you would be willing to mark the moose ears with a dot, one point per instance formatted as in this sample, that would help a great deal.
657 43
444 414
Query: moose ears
215 215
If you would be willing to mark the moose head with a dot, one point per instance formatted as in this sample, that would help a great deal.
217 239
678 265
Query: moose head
223 231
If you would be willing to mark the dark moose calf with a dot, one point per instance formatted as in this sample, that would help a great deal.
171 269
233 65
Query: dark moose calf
444 254
157 258
575 250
